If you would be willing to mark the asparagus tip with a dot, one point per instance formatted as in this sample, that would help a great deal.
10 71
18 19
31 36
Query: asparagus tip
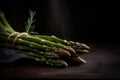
82 51
71 50
82 60
85 46
63 52
79 60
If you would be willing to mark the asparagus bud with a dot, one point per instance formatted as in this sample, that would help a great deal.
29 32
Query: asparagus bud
51 62
77 46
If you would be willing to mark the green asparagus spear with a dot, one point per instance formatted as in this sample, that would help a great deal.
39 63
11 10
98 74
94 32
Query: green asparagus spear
51 62
36 47
47 42
50 55
47 60
77 46
38 44
28 37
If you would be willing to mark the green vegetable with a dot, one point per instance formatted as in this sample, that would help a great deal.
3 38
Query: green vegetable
77 46
49 50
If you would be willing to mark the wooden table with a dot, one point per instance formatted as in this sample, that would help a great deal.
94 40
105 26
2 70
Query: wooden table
103 62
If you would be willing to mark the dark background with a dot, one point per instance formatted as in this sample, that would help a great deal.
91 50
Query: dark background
78 20
89 21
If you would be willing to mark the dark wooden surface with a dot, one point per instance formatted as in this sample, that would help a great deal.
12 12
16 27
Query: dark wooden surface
103 62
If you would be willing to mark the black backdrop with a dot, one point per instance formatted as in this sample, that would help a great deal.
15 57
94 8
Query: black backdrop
78 20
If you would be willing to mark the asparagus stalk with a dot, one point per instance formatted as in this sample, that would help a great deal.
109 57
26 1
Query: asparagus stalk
52 61
27 37
29 51
32 46
42 57
74 57
3 22
50 55
67 60
77 46
39 45
47 42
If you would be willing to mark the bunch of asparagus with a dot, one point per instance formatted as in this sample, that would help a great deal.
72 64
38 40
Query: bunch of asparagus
49 50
